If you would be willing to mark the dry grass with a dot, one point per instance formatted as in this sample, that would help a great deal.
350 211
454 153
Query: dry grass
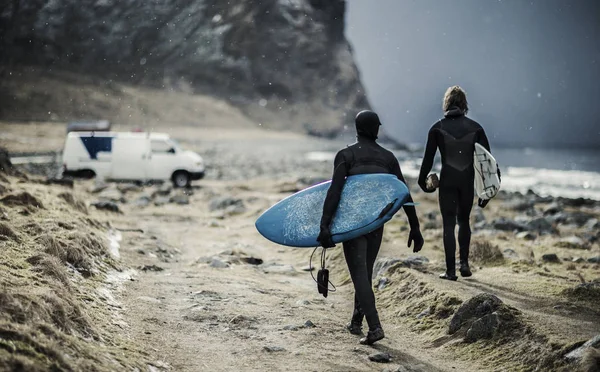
78 249
24 199
7 233
50 316
73 202
50 266
485 253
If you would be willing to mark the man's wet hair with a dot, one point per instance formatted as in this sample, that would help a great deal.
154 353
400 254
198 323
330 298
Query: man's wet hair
455 97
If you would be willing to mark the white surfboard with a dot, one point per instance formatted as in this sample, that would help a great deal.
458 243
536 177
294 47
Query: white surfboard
487 182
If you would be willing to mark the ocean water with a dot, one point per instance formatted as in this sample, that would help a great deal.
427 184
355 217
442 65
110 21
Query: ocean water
571 173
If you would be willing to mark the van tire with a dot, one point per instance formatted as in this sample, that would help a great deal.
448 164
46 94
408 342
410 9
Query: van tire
181 179
87 174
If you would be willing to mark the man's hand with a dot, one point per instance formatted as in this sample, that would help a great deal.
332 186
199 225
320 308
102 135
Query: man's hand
415 235
482 203
325 238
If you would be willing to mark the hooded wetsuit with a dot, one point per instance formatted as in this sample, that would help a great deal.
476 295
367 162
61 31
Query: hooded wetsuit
455 135
363 157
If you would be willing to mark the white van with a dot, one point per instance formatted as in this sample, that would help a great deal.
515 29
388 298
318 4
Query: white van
130 156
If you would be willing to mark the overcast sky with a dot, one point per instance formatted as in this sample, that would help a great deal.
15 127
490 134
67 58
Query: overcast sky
531 69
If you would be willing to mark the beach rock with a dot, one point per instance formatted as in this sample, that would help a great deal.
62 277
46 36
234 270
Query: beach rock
220 203
106 206
558 218
572 242
481 225
142 201
290 328
67 182
550 258
309 324
276 268
308 268
578 202
578 259
99 186
577 354
417 260
273 349
474 308
128 187
552 208
380 358
526 235
478 215
111 194
505 224
431 225
424 313
302 302
163 190
580 218
383 264
383 282
180 199
510 254
541 225
150 268
218 264
592 225
484 327
594 259
519 205
161 200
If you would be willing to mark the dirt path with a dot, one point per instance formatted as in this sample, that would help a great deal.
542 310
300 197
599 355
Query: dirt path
194 317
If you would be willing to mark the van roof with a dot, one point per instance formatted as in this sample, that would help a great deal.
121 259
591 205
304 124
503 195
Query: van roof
152 135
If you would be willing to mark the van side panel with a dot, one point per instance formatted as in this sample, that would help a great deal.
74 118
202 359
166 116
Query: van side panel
87 152
130 158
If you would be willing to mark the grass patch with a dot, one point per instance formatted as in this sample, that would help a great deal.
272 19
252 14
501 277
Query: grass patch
485 253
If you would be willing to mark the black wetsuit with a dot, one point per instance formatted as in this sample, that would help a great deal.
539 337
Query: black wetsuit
455 135
363 157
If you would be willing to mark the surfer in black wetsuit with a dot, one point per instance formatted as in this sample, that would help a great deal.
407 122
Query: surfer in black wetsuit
363 157
455 135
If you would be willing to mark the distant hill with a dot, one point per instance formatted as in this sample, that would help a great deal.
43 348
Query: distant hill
285 64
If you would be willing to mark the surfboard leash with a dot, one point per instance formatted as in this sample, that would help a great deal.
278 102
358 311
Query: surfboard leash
322 279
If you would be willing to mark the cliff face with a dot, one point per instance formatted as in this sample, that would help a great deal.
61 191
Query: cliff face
283 60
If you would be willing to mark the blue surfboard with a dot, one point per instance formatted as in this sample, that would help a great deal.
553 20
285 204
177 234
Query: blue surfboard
367 202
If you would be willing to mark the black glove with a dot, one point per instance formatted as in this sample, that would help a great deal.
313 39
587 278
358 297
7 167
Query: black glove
415 235
325 238
482 203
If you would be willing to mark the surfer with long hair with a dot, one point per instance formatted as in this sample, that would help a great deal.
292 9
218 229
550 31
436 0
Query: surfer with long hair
364 157
455 136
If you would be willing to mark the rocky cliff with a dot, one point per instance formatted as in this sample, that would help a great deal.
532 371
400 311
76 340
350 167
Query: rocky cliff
283 61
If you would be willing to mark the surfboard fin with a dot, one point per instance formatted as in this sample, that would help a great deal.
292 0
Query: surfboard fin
411 204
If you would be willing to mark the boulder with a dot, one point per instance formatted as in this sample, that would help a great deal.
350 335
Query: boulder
505 224
526 235
541 225
475 308
573 242
106 206
578 354
484 327
550 258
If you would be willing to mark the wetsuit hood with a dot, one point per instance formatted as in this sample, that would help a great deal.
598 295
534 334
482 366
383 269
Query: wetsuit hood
453 112
367 124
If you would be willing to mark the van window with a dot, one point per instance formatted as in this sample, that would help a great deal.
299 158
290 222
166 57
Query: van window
159 146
